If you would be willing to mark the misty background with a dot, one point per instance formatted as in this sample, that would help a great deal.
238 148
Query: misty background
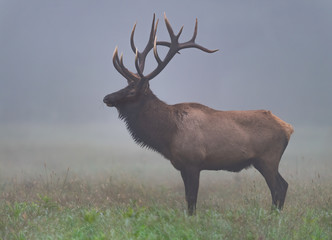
56 67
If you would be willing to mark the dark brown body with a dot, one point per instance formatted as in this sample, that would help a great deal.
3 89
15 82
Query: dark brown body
195 137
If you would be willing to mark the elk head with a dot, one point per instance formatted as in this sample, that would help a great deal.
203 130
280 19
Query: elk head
138 83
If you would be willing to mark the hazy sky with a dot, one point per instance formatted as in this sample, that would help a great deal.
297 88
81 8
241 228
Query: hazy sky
56 57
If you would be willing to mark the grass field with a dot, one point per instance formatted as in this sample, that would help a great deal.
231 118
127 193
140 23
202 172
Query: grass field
90 191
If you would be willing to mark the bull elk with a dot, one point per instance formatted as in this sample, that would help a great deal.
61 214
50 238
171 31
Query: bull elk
195 137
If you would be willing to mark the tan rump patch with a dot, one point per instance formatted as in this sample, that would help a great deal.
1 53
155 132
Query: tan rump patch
288 128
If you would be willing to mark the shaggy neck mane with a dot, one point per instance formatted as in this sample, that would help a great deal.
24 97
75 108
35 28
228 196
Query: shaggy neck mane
149 122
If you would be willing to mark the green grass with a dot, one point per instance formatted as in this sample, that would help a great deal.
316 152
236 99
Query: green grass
83 208
43 221
107 194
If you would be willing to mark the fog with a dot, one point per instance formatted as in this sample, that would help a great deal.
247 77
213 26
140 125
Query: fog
56 67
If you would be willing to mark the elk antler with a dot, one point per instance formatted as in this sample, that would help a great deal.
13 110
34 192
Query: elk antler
174 47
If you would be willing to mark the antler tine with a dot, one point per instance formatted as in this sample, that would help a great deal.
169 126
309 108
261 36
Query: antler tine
194 45
191 43
195 32
151 38
139 71
152 35
132 44
178 36
131 75
155 51
118 64
169 28
142 55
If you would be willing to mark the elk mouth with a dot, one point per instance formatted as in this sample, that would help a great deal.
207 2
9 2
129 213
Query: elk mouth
109 105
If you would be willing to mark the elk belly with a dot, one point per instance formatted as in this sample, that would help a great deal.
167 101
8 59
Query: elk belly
232 154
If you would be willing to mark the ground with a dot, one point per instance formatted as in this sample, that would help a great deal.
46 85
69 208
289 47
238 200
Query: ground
92 191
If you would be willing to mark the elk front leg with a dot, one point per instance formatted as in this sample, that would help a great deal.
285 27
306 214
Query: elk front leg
190 178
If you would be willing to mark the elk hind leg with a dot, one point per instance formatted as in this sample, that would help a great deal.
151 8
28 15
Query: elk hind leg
277 185
282 185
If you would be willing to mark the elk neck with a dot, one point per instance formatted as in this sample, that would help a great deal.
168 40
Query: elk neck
150 122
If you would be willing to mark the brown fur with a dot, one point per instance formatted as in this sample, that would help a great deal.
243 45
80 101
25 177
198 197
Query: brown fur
195 137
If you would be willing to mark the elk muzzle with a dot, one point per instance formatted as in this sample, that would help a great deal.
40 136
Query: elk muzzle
109 101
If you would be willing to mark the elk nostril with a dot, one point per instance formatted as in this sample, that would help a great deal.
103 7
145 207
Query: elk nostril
105 99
